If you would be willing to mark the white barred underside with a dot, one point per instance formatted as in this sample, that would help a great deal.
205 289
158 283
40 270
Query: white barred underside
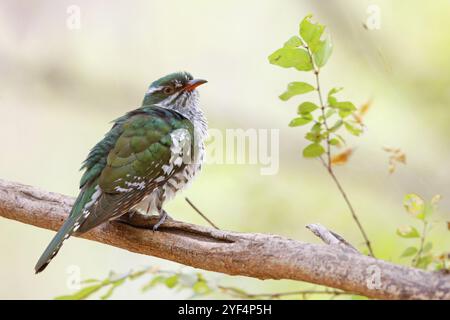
181 154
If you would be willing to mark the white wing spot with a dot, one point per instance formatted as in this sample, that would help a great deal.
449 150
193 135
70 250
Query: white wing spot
136 185
94 198
122 190
178 161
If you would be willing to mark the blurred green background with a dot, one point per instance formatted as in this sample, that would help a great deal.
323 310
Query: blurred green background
59 88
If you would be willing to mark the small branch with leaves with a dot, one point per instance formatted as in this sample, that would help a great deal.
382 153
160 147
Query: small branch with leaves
310 51
187 282
422 255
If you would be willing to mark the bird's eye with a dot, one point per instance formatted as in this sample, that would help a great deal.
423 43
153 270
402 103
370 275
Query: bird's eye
168 90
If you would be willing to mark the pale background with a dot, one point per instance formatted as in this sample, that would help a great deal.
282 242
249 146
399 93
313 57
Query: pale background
60 88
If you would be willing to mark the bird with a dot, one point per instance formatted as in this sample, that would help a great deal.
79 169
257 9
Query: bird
148 155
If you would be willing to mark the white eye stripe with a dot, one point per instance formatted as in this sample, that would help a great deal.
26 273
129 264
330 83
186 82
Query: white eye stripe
151 90
163 89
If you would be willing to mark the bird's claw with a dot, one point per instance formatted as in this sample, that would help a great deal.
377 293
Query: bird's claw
162 217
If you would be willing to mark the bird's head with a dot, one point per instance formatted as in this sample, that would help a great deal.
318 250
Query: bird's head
174 91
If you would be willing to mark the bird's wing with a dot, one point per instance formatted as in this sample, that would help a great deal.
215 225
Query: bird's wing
138 154
151 149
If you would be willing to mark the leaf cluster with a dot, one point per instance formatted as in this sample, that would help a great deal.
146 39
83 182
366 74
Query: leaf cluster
177 281
309 51
421 253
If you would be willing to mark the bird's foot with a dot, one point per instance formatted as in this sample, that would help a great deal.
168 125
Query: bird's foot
138 219
162 217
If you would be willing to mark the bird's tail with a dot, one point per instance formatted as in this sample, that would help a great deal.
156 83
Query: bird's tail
52 249
72 224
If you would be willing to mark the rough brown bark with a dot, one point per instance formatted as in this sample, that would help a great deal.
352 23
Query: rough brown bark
261 256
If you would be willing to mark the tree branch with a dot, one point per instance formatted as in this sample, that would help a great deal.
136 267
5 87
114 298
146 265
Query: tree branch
330 237
261 256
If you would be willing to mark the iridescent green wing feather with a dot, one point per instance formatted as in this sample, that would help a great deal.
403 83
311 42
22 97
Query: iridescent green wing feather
135 157
141 160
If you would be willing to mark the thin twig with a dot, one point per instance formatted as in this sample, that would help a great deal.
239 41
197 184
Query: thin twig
322 105
422 244
242 294
330 237
200 213
355 217
327 164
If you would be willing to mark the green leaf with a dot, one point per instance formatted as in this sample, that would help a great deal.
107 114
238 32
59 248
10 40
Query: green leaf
441 266
294 42
108 293
111 289
296 88
424 261
344 114
337 125
323 52
427 248
414 205
311 32
335 90
313 150
353 130
335 142
82 294
329 113
156 280
201 287
300 121
291 57
345 106
306 107
90 281
331 98
341 138
137 274
172 281
314 137
410 251
408 232
316 128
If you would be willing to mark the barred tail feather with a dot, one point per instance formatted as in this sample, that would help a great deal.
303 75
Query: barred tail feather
52 249
70 226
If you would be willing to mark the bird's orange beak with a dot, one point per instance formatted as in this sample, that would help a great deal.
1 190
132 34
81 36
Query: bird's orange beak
192 84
